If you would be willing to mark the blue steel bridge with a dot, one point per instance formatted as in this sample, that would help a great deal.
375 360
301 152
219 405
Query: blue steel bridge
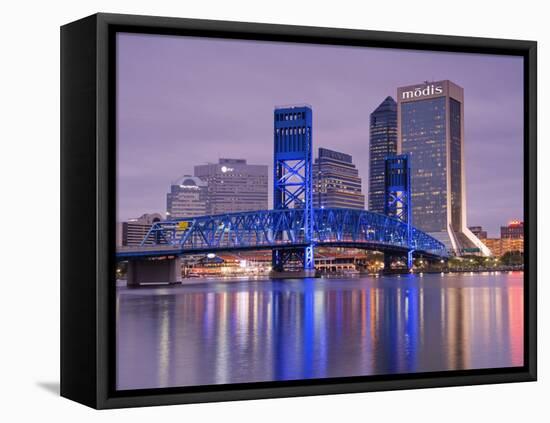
283 229
293 228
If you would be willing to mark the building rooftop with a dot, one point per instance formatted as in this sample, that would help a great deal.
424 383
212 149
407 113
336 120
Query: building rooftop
388 105
293 106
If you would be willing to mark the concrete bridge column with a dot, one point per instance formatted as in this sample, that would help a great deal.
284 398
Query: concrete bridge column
281 257
141 272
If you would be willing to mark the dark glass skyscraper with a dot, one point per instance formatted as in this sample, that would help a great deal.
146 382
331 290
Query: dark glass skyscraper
336 181
383 142
431 131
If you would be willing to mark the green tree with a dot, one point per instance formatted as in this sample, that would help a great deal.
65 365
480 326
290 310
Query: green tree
512 258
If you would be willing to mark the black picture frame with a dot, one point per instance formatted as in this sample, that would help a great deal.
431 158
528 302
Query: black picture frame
88 212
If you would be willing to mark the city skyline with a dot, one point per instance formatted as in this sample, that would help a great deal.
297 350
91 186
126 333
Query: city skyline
181 106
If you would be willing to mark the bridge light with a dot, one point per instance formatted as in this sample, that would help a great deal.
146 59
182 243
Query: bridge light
211 255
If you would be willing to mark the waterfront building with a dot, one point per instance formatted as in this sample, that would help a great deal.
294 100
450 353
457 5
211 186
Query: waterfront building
430 126
511 239
501 246
514 230
512 245
132 232
234 186
382 143
253 263
336 181
494 245
187 198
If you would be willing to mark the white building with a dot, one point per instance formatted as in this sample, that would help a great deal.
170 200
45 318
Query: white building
133 231
234 186
187 198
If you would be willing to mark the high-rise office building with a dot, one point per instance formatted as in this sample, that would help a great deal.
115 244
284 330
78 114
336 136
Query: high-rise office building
430 125
187 198
234 186
336 181
512 237
514 230
510 241
382 143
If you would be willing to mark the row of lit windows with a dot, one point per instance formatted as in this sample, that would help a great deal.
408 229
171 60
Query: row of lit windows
337 170
290 116
292 131
338 179
334 162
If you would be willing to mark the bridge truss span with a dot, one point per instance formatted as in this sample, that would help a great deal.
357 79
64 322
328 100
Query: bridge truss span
284 228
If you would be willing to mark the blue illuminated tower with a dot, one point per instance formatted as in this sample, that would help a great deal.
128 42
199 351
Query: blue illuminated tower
397 193
397 187
292 177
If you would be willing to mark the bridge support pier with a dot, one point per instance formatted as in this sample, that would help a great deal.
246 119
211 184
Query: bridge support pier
293 274
283 257
150 272
389 258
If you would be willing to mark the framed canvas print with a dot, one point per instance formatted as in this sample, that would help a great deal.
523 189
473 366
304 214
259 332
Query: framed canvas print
256 211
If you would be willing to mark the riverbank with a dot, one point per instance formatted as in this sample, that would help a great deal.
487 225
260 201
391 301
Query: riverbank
329 276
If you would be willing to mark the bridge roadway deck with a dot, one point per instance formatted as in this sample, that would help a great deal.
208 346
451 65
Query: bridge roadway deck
152 251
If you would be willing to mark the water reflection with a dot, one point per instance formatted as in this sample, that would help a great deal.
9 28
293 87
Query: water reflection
235 332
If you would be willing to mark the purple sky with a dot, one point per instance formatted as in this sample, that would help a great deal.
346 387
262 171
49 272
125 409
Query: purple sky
184 101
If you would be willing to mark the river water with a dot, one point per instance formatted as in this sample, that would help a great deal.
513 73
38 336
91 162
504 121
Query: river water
267 330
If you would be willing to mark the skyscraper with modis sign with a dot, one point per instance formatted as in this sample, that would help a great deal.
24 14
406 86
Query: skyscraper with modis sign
430 128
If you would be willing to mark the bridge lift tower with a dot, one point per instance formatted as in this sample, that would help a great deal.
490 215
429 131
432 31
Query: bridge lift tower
397 198
292 179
